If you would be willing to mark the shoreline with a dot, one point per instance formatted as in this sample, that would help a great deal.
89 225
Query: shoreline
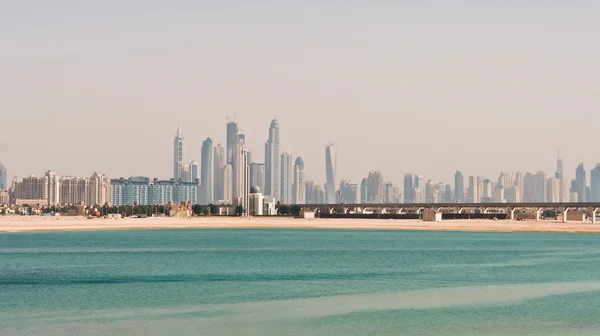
18 224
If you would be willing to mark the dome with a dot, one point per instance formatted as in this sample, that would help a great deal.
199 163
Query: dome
274 123
254 190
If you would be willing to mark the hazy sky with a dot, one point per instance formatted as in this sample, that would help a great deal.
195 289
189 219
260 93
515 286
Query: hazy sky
401 86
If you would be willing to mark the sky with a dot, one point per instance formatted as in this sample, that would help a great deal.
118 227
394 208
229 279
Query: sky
424 87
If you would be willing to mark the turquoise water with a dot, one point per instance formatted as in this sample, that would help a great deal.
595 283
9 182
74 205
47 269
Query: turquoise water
299 282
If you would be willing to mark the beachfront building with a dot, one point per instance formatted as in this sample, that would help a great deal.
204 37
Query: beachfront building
144 191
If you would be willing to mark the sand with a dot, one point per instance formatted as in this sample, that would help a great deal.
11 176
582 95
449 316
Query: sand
38 223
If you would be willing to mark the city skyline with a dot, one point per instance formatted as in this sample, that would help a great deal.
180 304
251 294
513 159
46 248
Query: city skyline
442 87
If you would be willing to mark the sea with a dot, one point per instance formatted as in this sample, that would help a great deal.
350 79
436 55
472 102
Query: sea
299 282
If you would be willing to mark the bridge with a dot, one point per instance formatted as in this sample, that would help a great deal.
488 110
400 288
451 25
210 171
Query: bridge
510 209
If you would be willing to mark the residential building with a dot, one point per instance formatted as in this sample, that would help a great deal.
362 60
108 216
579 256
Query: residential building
299 182
286 178
272 161
178 155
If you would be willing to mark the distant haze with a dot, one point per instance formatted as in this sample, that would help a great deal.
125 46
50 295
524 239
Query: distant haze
400 86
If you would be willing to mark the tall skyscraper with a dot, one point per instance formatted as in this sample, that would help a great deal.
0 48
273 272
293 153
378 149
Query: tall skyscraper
388 192
240 170
257 175
459 187
375 187
3 177
559 167
408 188
540 187
232 141
178 155
595 184
272 161
475 189
218 172
330 172
207 177
580 184
286 178
364 190
553 190
299 186
227 184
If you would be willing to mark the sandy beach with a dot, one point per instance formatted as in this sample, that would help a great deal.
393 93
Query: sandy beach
31 224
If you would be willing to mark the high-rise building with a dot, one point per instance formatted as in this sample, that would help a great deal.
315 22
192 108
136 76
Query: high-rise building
459 187
3 177
349 192
187 174
227 184
487 189
475 189
565 190
540 187
286 178
595 184
375 187
194 171
552 190
218 171
207 178
330 172
408 188
498 194
364 190
299 185
388 192
272 161
398 195
178 155
257 175
505 180
241 173
518 182
580 183
559 167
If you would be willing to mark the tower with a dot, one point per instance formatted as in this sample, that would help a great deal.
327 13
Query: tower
207 177
272 161
178 155
330 172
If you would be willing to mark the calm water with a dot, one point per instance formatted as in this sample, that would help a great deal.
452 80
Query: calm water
299 282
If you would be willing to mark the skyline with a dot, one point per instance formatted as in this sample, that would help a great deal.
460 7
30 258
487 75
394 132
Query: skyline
390 81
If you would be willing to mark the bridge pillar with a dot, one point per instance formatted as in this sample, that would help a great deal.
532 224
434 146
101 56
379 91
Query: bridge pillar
400 211
459 210
538 214
564 213
331 211
486 210
593 212
419 210
511 213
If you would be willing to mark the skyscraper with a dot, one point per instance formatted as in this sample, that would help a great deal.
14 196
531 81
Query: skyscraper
272 161
299 187
3 177
459 187
194 171
388 193
218 171
286 178
240 170
178 155
227 184
595 184
364 190
580 184
232 141
559 167
408 188
257 175
207 177
375 187
553 190
330 172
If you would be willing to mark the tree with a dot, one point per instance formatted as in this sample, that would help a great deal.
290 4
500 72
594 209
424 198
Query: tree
214 210
283 210
239 210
